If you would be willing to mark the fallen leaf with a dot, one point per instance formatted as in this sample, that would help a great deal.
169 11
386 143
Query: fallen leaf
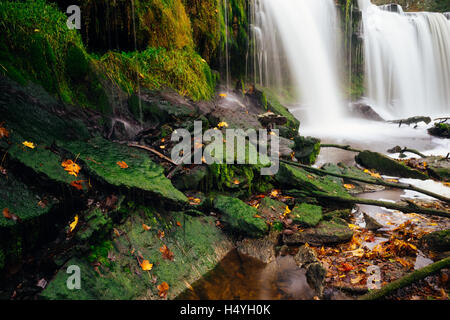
42 283
77 184
236 181
145 227
357 279
349 186
160 234
3 132
179 223
163 288
222 124
146 265
73 224
275 193
71 167
346 267
122 164
166 253
29 144
222 95
9 215
286 211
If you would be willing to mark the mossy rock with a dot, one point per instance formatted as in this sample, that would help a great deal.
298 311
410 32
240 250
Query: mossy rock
325 233
77 66
438 240
306 215
197 246
309 184
344 214
240 217
100 159
192 179
269 207
306 149
387 166
35 212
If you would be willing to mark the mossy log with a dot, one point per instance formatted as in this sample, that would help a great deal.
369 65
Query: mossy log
338 146
411 207
407 280
375 181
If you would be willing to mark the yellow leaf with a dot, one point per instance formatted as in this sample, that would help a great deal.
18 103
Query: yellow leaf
222 95
222 124
349 186
287 211
28 144
353 226
146 265
71 167
74 223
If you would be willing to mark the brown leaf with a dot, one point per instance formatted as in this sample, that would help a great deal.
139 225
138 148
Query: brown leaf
166 253
9 215
160 234
163 288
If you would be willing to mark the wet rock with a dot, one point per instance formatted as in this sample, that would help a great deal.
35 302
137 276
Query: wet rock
326 232
315 272
261 249
191 179
270 119
306 149
271 208
387 166
306 215
315 275
305 256
307 183
240 217
344 214
100 157
197 247
437 241
412 120
364 111
441 130
438 167
371 223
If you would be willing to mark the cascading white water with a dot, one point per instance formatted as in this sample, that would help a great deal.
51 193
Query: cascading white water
306 30
407 61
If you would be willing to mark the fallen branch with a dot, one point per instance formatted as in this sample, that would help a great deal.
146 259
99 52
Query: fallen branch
407 280
375 181
159 154
410 207
398 149
348 148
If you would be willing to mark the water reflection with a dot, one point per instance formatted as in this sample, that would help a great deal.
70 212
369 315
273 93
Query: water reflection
239 277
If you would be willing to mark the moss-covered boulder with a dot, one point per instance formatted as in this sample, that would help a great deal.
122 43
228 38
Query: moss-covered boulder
326 232
240 217
387 166
307 183
28 217
306 215
438 240
100 158
196 245
271 208
441 130
306 149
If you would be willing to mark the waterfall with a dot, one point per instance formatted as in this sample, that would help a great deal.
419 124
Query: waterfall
407 61
297 39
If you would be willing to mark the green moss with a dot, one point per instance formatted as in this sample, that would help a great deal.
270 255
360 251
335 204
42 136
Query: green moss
77 66
240 217
306 149
306 215
100 159
197 247
387 166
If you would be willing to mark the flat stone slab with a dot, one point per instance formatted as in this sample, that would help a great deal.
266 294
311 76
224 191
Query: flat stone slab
326 232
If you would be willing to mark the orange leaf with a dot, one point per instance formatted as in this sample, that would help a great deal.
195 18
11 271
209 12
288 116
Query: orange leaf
122 164
179 223
71 167
145 227
163 288
349 186
346 267
77 184
160 234
146 265
166 253
3 132
9 215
